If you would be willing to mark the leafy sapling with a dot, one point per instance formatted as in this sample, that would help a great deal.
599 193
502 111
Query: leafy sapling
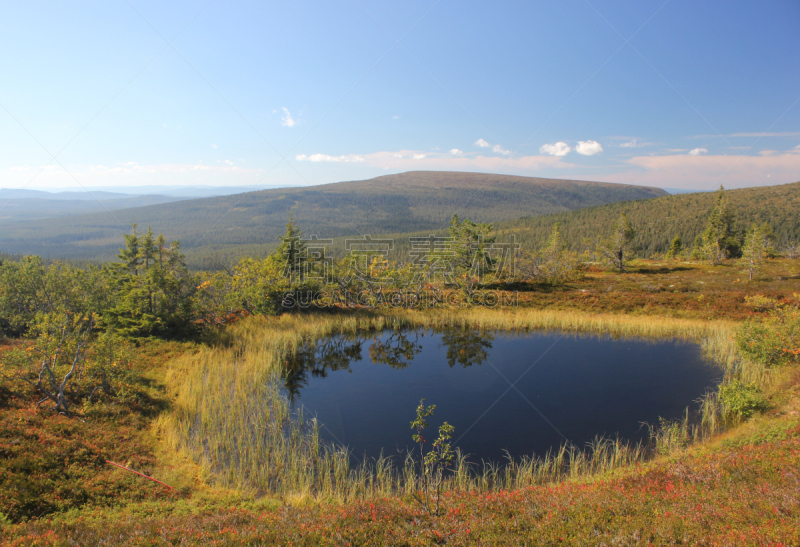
434 462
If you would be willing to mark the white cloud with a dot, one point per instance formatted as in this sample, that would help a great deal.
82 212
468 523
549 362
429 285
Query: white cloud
450 160
352 158
500 150
214 145
287 120
483 143
396 117
629 142
588 148
698 151
404 160
558 149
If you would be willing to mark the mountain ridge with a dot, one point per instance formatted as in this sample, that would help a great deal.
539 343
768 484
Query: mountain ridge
412 201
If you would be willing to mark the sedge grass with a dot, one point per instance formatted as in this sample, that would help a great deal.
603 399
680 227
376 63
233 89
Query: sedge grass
230 416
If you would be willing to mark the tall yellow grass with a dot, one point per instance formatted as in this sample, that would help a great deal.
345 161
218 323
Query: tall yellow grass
230 416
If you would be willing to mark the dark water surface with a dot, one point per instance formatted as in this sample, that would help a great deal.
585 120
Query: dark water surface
524 393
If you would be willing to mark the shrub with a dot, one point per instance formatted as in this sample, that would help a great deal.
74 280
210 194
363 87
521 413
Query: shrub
740 400
774 341
759 302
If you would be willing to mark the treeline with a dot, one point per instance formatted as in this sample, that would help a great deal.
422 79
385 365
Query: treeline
659 221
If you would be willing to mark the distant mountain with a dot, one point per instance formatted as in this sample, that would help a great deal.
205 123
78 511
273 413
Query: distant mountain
20 205
69 195
404 202
673 191
151 190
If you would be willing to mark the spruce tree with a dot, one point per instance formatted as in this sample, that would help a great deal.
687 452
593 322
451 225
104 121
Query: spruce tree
292 251
130 255
754 250
470 244
719 237
675 248
152 287
615 250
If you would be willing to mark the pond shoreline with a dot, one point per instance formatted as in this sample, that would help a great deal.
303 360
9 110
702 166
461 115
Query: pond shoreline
210 408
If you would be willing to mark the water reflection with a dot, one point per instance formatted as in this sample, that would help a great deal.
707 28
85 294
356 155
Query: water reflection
397 350
581 387
318 359
467 347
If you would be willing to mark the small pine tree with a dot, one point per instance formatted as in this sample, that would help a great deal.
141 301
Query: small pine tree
470 244
675 248
754 250
152 288
791 249
292 251
770 239
616 249
719 237
697 248
555 263
130 256
161 251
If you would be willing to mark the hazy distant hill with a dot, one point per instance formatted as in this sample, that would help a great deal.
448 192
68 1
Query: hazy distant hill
390 204
19 205
24 204
658 221
69 195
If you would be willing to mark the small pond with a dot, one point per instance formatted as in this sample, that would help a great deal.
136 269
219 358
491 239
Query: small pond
522 393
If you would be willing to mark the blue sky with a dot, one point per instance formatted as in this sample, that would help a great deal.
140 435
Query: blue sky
674 94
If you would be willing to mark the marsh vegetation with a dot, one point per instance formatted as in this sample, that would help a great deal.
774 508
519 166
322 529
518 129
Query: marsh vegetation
233 414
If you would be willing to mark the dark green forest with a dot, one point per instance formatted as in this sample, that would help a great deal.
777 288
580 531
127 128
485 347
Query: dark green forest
658 221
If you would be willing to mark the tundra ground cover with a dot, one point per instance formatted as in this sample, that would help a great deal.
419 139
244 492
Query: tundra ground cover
670 288
747 496
756 503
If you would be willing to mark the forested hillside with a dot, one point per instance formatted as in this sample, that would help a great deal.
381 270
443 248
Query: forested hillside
658 221
414 201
